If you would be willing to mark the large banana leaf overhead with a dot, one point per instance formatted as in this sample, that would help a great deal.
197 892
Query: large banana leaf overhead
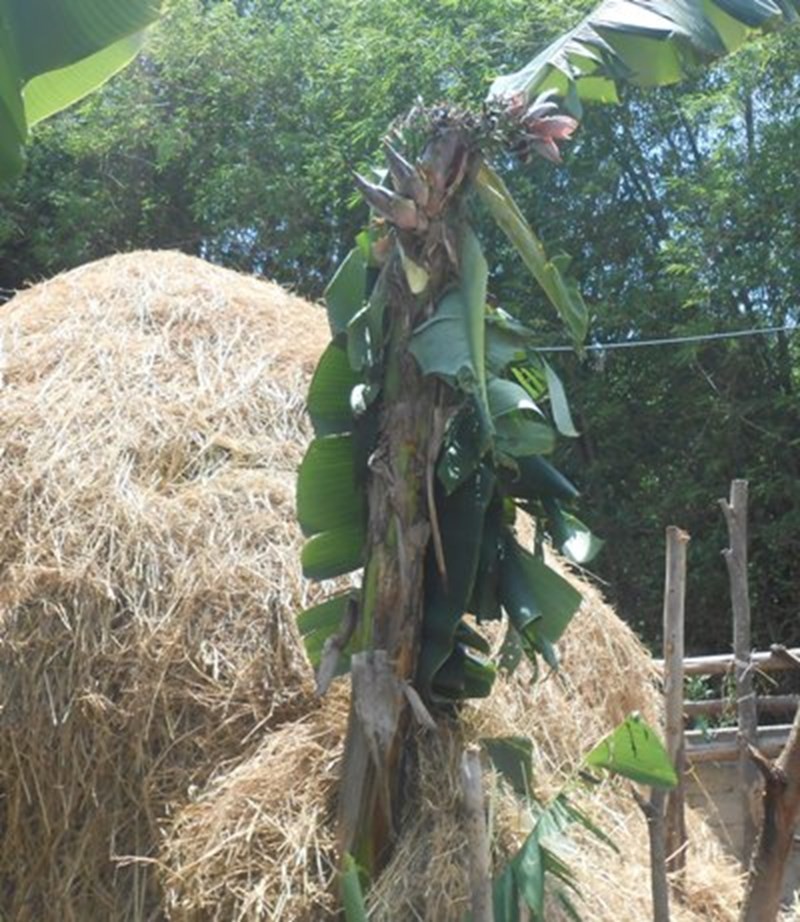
645 42
54 52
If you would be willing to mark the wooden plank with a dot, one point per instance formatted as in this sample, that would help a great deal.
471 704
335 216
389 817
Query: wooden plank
724 746
772 704
719 664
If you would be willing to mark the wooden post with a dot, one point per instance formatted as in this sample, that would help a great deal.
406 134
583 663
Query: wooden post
653 811
480 871
674 606
774 847
735 512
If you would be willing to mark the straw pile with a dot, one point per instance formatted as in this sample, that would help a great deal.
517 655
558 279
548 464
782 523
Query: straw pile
162 755
151 421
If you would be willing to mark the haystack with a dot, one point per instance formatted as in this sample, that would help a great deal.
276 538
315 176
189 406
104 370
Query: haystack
162 755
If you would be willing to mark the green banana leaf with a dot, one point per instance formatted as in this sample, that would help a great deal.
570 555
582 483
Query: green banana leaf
466 441
452 344
318 623
54 52
550 273
634 751
559 405
333 553
537 860
355 909
535 596
331 508
329 394
518 431
328 494
645 42
570 535
461 517
347 291
512 758
535 478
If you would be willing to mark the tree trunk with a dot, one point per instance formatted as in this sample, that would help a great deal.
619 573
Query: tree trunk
392 596
774 845
402 518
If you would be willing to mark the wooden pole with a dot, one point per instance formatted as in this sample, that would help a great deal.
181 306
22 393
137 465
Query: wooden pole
735 512
480 872
653 811
674 607
774 847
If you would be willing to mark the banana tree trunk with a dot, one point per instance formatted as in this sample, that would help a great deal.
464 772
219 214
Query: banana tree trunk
402 517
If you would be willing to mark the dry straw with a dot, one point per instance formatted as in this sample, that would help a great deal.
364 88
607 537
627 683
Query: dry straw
161 751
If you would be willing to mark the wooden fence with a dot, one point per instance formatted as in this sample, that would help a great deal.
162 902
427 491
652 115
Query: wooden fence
730 743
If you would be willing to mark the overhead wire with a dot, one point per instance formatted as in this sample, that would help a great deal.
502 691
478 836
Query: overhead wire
674 340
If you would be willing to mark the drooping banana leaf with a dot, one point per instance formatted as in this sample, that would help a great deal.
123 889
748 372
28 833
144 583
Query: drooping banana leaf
512 758
321 621
537 479
452 344
570 535
519 430
539 602
54 52
462 517
645 42
549 272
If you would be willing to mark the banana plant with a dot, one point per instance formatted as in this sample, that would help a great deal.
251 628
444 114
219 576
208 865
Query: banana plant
434 413
54 52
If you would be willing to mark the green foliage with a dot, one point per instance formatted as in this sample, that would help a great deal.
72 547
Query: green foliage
331 507
333 383
452 343
563 294
512 758
347 291
54 53
234 134
634 751
488 457
462 517
540 603
631 751
322 621
646 44
352 896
